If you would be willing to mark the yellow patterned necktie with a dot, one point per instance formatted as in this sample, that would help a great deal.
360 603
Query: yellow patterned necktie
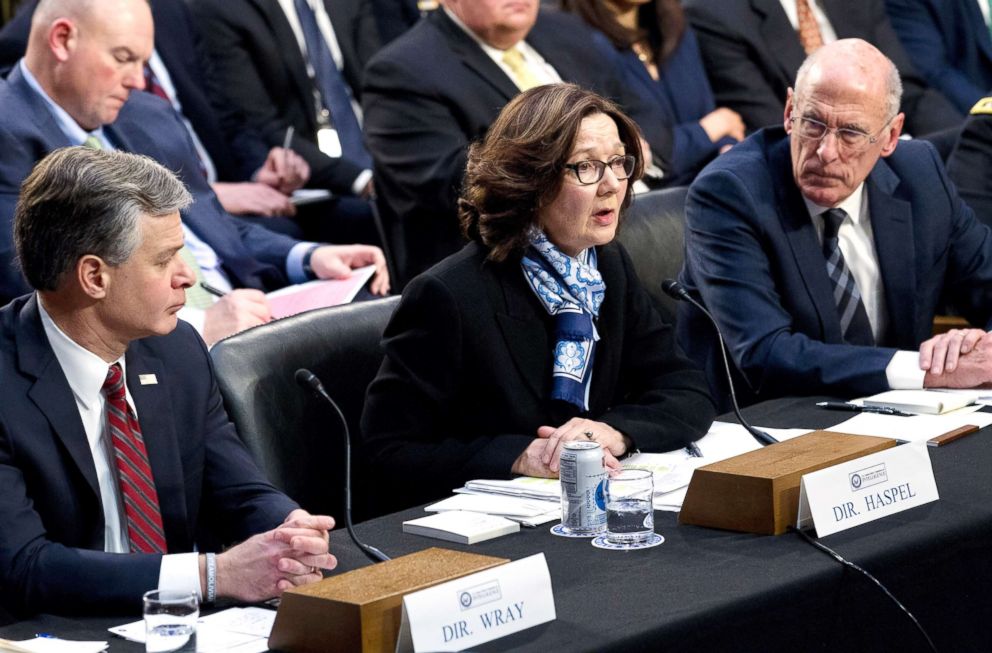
93 143
809 30
522 74
196 296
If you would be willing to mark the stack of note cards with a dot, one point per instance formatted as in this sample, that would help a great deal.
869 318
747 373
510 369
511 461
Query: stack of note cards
921 402
461 526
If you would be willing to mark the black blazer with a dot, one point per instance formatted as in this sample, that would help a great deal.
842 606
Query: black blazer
51 519
236 150
433 91
752 55
259 69
466 379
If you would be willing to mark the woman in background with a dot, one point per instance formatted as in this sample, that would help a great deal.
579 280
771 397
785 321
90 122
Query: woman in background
538 331
661 58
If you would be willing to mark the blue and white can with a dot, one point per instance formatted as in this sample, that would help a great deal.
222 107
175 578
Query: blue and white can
583 475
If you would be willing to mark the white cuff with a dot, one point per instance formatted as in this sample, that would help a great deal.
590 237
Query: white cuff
903 371
361 181
180 572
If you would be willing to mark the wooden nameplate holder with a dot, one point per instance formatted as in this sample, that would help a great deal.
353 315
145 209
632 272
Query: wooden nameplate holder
758 492
360 610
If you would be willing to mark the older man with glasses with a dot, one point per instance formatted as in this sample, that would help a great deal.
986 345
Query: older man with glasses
825 247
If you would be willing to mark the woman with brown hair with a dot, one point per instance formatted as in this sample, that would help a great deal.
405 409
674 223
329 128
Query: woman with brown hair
538 331
661 59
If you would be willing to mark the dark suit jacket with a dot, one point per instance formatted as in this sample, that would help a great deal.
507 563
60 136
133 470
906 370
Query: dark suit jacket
393 17
754 259
467 376
259 69
949 44
431 92
252 256
970 165
236 150
752 55
51 521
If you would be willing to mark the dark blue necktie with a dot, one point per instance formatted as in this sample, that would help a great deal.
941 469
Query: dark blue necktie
332 87
854 322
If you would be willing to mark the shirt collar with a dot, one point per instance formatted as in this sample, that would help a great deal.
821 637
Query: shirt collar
494 53
76 134
85 371
852 205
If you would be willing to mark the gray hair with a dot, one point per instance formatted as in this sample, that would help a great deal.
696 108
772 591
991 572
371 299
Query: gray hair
859 55
80 201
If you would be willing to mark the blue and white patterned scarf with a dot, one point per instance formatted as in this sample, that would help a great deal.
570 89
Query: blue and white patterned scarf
571 290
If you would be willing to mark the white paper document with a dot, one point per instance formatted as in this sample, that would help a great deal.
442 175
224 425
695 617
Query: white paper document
917 428
235 630
50 645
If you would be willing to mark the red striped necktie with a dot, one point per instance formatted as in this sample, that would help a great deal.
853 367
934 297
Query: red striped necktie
134 473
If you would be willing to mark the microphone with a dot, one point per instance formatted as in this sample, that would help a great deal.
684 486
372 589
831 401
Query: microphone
675 290
309 381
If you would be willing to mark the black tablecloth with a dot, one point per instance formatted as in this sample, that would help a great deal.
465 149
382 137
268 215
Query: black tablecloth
709 590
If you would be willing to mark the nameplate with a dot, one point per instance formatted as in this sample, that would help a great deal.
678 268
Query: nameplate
147 379
865 489
479 608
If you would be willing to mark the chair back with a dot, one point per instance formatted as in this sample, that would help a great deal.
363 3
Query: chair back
653 234
296 438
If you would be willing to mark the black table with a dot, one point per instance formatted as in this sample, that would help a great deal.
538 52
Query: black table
709 590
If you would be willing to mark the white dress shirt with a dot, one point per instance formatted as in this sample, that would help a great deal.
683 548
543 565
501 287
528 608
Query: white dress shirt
857 244
537 65
86 373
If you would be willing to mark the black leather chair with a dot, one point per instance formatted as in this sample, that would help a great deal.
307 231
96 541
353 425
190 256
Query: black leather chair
653 234
296 438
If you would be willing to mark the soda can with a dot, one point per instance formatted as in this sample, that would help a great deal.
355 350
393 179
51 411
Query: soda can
582 474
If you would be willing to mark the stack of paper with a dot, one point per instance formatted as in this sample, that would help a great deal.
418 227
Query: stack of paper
50 645
461 526
924 402
235 630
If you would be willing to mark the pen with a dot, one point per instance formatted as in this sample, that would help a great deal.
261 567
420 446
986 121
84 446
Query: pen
216 292
693 450
855 408
286 142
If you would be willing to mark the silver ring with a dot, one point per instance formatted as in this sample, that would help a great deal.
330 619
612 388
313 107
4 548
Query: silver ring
588 434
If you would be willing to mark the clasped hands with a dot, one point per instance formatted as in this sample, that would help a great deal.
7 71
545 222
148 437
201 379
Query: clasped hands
960 358
540 458
267 564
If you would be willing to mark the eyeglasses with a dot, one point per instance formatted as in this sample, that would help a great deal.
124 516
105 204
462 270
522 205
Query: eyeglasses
851 140
591 170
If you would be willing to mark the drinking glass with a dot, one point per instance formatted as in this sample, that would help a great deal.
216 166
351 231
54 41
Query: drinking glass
629 508
170 621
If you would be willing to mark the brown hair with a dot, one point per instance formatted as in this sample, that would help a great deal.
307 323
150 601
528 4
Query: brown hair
661 22
519 167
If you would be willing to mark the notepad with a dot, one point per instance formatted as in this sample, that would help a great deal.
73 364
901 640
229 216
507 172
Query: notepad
461 526
919 401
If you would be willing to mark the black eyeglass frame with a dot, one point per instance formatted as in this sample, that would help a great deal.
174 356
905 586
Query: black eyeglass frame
629 163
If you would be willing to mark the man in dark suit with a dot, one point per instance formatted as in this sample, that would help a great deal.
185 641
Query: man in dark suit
248 176
436 89
270 65
948 41
394 17
824 250
970 164
121 471
752 52
70 90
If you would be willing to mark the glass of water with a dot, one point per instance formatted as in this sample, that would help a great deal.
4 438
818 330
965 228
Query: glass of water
170 621
629 508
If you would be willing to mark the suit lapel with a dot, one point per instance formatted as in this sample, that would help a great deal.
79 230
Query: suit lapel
37 112
776 30
975 22
892 226
806 251
50 392
523 327
154 407
472 56
288 46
